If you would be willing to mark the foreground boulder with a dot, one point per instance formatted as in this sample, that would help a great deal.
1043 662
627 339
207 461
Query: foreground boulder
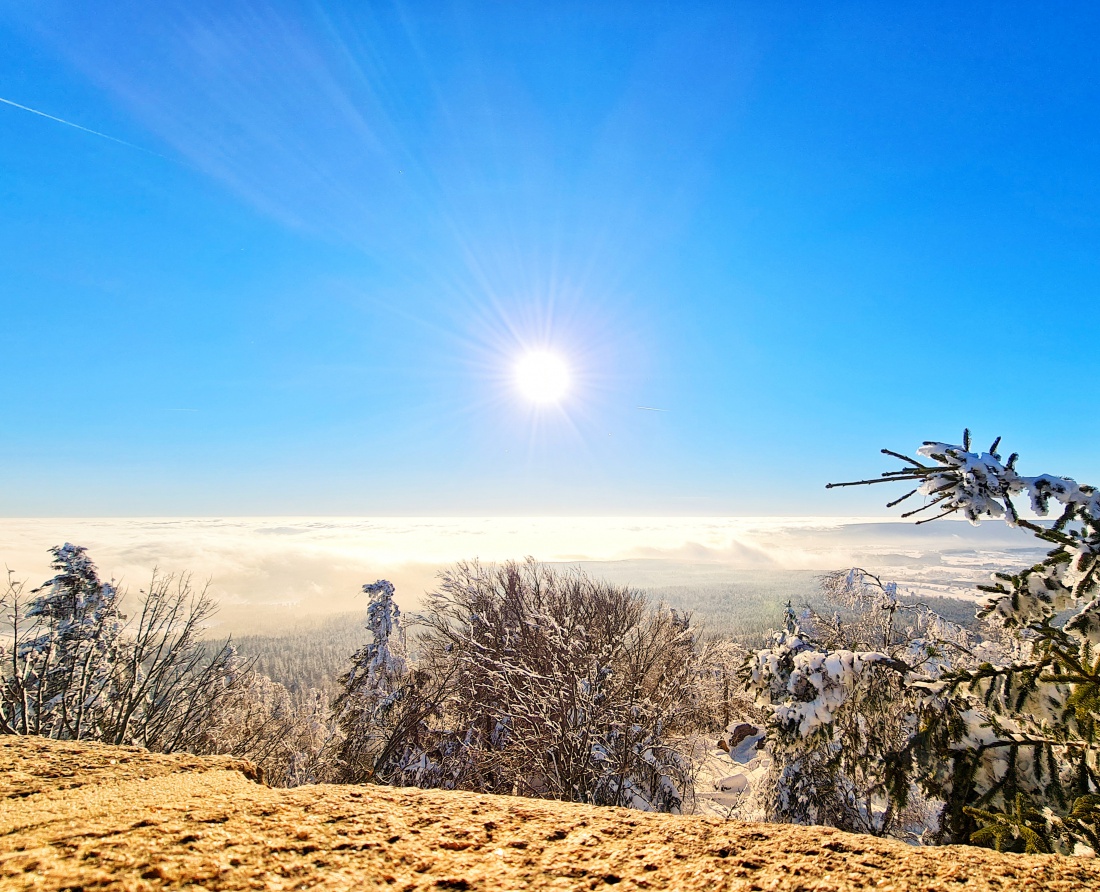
88 816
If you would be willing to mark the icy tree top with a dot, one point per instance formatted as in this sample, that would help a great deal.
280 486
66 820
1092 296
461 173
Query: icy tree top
383 659
383 614
76 593
980 486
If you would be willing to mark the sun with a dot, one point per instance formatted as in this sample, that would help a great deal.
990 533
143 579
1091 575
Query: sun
542 377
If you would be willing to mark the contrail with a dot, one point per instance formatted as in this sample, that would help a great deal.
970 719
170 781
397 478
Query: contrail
651 409
42 114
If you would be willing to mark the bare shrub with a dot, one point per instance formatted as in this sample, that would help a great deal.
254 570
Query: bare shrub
292 739
544 683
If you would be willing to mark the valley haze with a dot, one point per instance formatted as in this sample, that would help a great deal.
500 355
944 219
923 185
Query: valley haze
270 573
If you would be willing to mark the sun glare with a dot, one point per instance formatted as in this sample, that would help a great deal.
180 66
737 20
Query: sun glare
542 377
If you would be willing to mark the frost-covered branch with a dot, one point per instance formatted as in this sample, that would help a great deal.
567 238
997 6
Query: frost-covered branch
1021 726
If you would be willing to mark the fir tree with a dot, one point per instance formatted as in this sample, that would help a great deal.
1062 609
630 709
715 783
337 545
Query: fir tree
839 708
75 669
64 669
377 725
378 667
1011 746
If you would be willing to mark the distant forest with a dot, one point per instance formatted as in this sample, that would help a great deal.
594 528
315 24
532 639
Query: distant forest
315 654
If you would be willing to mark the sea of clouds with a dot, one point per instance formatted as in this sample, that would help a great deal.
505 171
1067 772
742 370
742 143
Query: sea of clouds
271 572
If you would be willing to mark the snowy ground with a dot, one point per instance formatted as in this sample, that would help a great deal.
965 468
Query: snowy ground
725 780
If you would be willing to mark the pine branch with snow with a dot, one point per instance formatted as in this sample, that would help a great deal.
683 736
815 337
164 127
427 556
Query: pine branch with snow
1014 736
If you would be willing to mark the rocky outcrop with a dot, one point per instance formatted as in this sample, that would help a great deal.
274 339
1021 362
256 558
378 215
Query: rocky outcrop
87 816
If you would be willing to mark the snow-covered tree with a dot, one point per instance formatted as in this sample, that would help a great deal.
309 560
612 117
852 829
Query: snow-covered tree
1011 745
839 706
383 660
292 740
66 639
170 682
382 705
561 686
72 666
76 668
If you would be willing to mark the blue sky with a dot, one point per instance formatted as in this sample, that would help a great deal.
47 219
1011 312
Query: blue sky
807 231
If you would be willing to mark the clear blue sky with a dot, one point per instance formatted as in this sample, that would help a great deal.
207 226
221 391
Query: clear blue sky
805 230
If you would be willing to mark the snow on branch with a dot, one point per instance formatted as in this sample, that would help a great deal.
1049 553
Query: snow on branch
981 486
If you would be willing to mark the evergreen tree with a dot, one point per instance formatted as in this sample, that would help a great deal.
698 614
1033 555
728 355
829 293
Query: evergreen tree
380 665
1011 745
76 669
377 709
62 671
839 707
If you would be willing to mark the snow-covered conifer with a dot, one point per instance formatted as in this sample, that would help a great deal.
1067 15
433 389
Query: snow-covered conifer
68 637
380 707
77 669
379 667
1011 744
836 697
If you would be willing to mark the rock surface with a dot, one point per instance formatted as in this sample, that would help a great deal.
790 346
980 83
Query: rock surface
88 816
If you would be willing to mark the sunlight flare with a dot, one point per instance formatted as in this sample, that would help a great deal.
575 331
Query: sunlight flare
542 377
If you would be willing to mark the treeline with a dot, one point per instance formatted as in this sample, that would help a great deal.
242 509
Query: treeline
313 655
747 610
309 657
